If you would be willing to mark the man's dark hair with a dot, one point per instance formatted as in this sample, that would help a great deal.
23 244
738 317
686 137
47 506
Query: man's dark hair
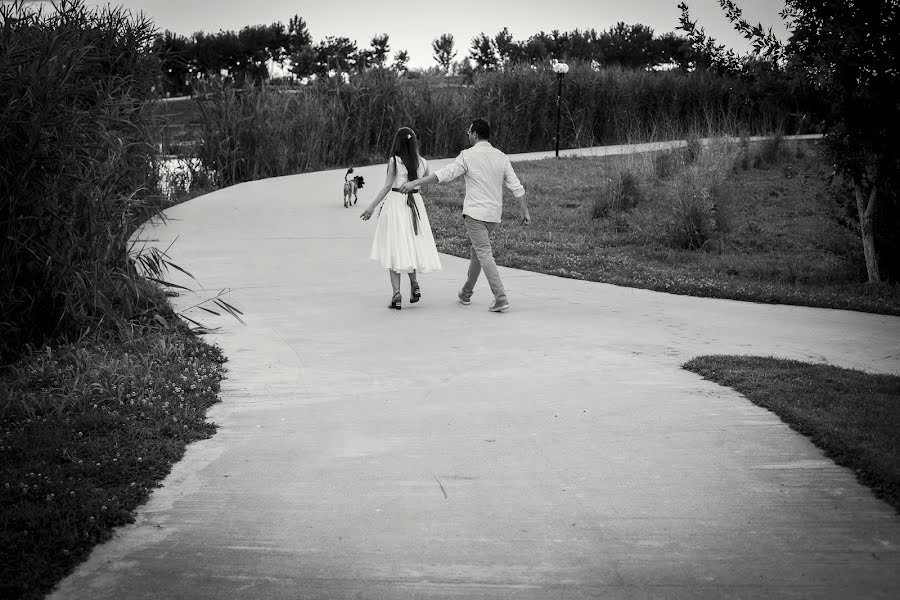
482 128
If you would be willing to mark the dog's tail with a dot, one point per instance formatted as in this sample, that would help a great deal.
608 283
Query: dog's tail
350 170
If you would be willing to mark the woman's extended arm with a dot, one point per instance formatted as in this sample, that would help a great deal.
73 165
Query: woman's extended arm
388 180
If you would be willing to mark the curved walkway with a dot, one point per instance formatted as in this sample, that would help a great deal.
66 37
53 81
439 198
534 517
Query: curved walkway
554 451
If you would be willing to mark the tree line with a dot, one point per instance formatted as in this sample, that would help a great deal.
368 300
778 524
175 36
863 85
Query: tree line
630 46
249 52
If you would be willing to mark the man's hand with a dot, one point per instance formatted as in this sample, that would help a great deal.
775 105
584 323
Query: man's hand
406 187
526 219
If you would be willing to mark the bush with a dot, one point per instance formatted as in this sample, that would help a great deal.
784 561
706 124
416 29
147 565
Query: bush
620 194
692 217
694 149
665 164
687 203
76 169
771 152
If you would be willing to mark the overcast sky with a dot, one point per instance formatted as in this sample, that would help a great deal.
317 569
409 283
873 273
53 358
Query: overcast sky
412 25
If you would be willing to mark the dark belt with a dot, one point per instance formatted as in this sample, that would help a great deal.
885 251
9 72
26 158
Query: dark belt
413 209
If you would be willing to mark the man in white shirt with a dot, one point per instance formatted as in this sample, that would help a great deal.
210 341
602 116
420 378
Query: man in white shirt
486 170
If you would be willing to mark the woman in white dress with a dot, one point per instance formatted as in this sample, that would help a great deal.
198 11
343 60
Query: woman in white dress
403 240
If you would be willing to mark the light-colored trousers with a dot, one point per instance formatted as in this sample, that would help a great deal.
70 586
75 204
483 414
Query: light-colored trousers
481 257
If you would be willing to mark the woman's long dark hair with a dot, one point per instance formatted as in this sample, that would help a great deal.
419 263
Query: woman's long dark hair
406 146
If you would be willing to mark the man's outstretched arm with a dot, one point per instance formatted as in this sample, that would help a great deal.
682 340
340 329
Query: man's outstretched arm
411 185
448 173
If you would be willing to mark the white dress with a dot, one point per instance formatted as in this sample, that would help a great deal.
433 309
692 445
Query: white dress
397 246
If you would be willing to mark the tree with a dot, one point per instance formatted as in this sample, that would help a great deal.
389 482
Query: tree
540 47
401 60
175 53
298 34
258 45
483 52
217 51
380 49
708 54
584 45
463 68
443 51
301 52
507 49
334 53
303 61
671 49
628 46
845 51
245 53
362 59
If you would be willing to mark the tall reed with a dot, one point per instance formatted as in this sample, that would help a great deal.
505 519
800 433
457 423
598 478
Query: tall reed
263 131
75 169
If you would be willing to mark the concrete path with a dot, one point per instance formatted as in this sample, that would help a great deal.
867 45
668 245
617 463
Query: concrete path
555 451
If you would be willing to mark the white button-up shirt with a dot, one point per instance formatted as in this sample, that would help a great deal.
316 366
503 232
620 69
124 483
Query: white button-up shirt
487 170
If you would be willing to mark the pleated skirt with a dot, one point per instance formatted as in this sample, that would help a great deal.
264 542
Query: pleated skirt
396 245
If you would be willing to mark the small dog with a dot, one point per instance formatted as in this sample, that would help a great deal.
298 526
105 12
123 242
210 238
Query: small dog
351 186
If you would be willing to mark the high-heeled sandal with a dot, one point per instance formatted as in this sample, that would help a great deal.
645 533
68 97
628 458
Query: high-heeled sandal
414 293
395 301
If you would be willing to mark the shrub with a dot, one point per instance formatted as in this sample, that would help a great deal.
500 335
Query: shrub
617 195
771 152
692 220
691 206
745 158
694 149
665 164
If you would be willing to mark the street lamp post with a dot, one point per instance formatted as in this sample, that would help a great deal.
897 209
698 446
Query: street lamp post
560 69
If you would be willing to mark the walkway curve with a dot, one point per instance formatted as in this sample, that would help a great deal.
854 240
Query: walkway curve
555 451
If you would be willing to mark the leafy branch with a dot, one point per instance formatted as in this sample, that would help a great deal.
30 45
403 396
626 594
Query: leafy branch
155 264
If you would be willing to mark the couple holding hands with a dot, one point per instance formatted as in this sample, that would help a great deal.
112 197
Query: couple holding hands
403 240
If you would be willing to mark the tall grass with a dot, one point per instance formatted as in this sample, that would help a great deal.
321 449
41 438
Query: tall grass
687 206
77 169
614 105
262 132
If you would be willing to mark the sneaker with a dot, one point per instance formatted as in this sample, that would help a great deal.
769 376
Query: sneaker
499 306
464 298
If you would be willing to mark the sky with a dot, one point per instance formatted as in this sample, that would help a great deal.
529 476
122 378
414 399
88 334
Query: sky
412 25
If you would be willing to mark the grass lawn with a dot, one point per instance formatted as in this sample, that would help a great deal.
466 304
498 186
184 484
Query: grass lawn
746 223
88 430
853 416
